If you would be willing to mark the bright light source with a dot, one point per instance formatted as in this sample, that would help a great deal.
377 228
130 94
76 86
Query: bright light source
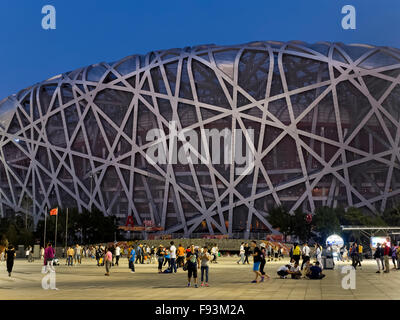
334 240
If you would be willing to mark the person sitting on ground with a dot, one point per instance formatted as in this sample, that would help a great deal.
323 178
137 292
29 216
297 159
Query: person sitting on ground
306 269
283 271
295 271
315 272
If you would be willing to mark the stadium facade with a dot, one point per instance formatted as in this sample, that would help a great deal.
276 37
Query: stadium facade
326 121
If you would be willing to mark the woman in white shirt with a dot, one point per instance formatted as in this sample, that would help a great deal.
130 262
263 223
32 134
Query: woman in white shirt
318 254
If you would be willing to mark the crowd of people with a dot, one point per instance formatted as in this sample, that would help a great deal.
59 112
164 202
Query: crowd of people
196 260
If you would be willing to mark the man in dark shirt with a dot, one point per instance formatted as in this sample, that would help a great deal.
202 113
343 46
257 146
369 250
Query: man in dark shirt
193 263
257 258
316 272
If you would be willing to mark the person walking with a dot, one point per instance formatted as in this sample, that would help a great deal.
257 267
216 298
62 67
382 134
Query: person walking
108 261
10 256
193 263
241 253
354 255
246 253
305 254
27 253
172 254
205 258
257 258
30 255
117 254
131 259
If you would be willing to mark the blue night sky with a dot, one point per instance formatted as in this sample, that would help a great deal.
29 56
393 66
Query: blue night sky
91 31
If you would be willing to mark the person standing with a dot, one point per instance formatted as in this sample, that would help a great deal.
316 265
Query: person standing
70 256
41 253
296 253
181 256
241 253
263 260
205 258
345 254
318 254
141 253
306 254
360 254
377 257
98 255
394 256
386 257
214 254
257 258
160 257
108 261
167 258
138 253
246 253
172 254
78 254
117 255
398 257
269 251
10 256
132 255
49 257
354 255
27 253
193 263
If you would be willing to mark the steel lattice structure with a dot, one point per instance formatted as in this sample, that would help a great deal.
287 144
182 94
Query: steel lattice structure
325 115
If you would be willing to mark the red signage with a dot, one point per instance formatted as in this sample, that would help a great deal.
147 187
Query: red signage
129 221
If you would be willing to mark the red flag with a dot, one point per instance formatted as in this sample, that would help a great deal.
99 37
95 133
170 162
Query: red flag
54 212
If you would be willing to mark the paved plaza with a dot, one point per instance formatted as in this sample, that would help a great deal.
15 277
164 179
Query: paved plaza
228 280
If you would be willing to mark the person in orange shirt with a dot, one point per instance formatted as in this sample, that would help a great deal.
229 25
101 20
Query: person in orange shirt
181 256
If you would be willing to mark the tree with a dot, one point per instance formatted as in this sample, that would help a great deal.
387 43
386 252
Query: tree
300 227
280 219
326 222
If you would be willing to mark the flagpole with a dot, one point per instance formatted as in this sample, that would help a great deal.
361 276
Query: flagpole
55 237
66 231
44 235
